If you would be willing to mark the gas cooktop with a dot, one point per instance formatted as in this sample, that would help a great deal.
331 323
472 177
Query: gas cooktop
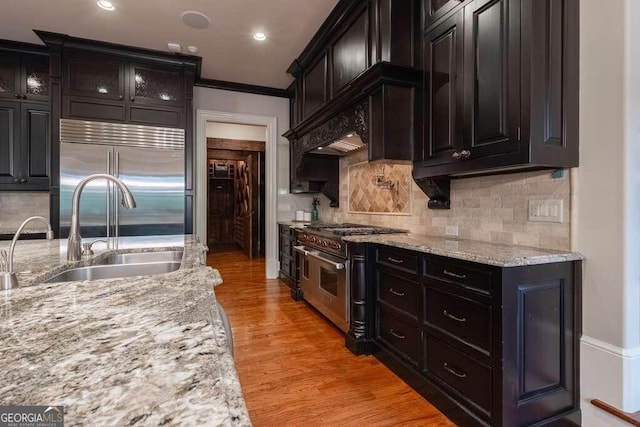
349 229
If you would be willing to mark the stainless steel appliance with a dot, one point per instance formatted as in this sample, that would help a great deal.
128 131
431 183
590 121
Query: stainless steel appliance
324 267
149 160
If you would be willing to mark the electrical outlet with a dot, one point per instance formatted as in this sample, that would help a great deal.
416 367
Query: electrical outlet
545 210
451 230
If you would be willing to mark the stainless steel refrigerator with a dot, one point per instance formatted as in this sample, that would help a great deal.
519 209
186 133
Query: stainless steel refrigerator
150 161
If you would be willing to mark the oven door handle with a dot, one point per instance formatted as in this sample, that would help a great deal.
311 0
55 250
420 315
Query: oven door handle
336 265
302 250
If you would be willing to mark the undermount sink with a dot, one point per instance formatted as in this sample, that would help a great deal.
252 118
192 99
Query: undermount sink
142 258
113 271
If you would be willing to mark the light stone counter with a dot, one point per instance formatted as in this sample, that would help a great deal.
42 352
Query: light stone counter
500 255
145 350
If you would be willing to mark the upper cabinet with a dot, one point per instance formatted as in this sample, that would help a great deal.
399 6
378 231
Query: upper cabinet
113 88
24 76
24 118
349 52
500 91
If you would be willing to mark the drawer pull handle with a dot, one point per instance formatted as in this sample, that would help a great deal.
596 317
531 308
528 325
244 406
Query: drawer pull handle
394 292
452 317
457 276
397 261
453 371
395 334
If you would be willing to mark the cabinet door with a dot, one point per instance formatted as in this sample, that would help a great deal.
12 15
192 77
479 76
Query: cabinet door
9 144
10 76
349 53
436 9
491 77
443 92
152 84
94 76
35 78
35 145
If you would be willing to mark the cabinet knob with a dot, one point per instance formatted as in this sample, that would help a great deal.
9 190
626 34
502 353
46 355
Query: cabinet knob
465 154
18 96
24 96
120 97
456 155
23 181
132 99
16 180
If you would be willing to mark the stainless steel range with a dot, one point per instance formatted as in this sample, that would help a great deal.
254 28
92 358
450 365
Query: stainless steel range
324 266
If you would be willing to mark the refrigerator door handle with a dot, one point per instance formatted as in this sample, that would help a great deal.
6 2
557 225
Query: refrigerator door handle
116 194
108 196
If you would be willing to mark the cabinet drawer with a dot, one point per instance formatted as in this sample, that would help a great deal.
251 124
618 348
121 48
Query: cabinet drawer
466 320
468 376
398 259
400 336
399 292
458 272
285 266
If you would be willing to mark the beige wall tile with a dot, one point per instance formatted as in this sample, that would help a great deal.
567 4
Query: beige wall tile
492 208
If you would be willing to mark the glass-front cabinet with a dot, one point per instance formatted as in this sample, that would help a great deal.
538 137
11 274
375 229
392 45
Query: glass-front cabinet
153 85
24 77
96 77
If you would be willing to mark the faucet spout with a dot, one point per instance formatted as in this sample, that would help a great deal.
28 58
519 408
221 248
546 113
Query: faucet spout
74 243
8 278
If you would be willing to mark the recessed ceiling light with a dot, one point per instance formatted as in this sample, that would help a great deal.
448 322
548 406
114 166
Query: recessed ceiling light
196 19
320 148
260 36
192 49
106 5
350 135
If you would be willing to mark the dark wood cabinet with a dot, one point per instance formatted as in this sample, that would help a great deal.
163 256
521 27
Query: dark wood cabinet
314 87
24 76
112 88
287 256
499 92
349 52
432 10
500 342
443 92
24 146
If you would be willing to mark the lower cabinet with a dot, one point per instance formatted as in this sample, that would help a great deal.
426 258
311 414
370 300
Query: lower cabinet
24 146
500 343
287 257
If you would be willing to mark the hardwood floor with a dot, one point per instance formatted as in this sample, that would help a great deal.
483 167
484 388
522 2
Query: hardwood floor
292 363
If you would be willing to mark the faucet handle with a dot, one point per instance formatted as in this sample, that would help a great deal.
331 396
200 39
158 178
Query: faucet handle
4 261
86 248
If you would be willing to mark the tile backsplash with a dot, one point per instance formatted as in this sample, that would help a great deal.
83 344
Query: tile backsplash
15 207
491 208
392 195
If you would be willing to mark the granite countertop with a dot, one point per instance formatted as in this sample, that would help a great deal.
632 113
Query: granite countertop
148 349
500 255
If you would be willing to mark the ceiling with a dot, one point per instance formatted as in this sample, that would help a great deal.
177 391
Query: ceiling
227 47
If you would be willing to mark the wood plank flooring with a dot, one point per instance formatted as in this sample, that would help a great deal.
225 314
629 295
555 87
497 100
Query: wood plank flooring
292 363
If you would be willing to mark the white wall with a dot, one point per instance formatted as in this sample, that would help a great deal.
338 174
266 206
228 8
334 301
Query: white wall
608 210
246 103
234 131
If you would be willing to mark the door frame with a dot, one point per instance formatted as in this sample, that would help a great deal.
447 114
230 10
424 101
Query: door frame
271 194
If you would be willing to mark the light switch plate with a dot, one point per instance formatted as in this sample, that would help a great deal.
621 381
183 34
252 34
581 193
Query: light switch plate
451 230
548 210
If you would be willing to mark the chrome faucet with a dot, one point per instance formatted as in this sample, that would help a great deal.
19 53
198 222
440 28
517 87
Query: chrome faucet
8 277
74 243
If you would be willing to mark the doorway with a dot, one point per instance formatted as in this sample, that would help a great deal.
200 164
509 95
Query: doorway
270 171
236 187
